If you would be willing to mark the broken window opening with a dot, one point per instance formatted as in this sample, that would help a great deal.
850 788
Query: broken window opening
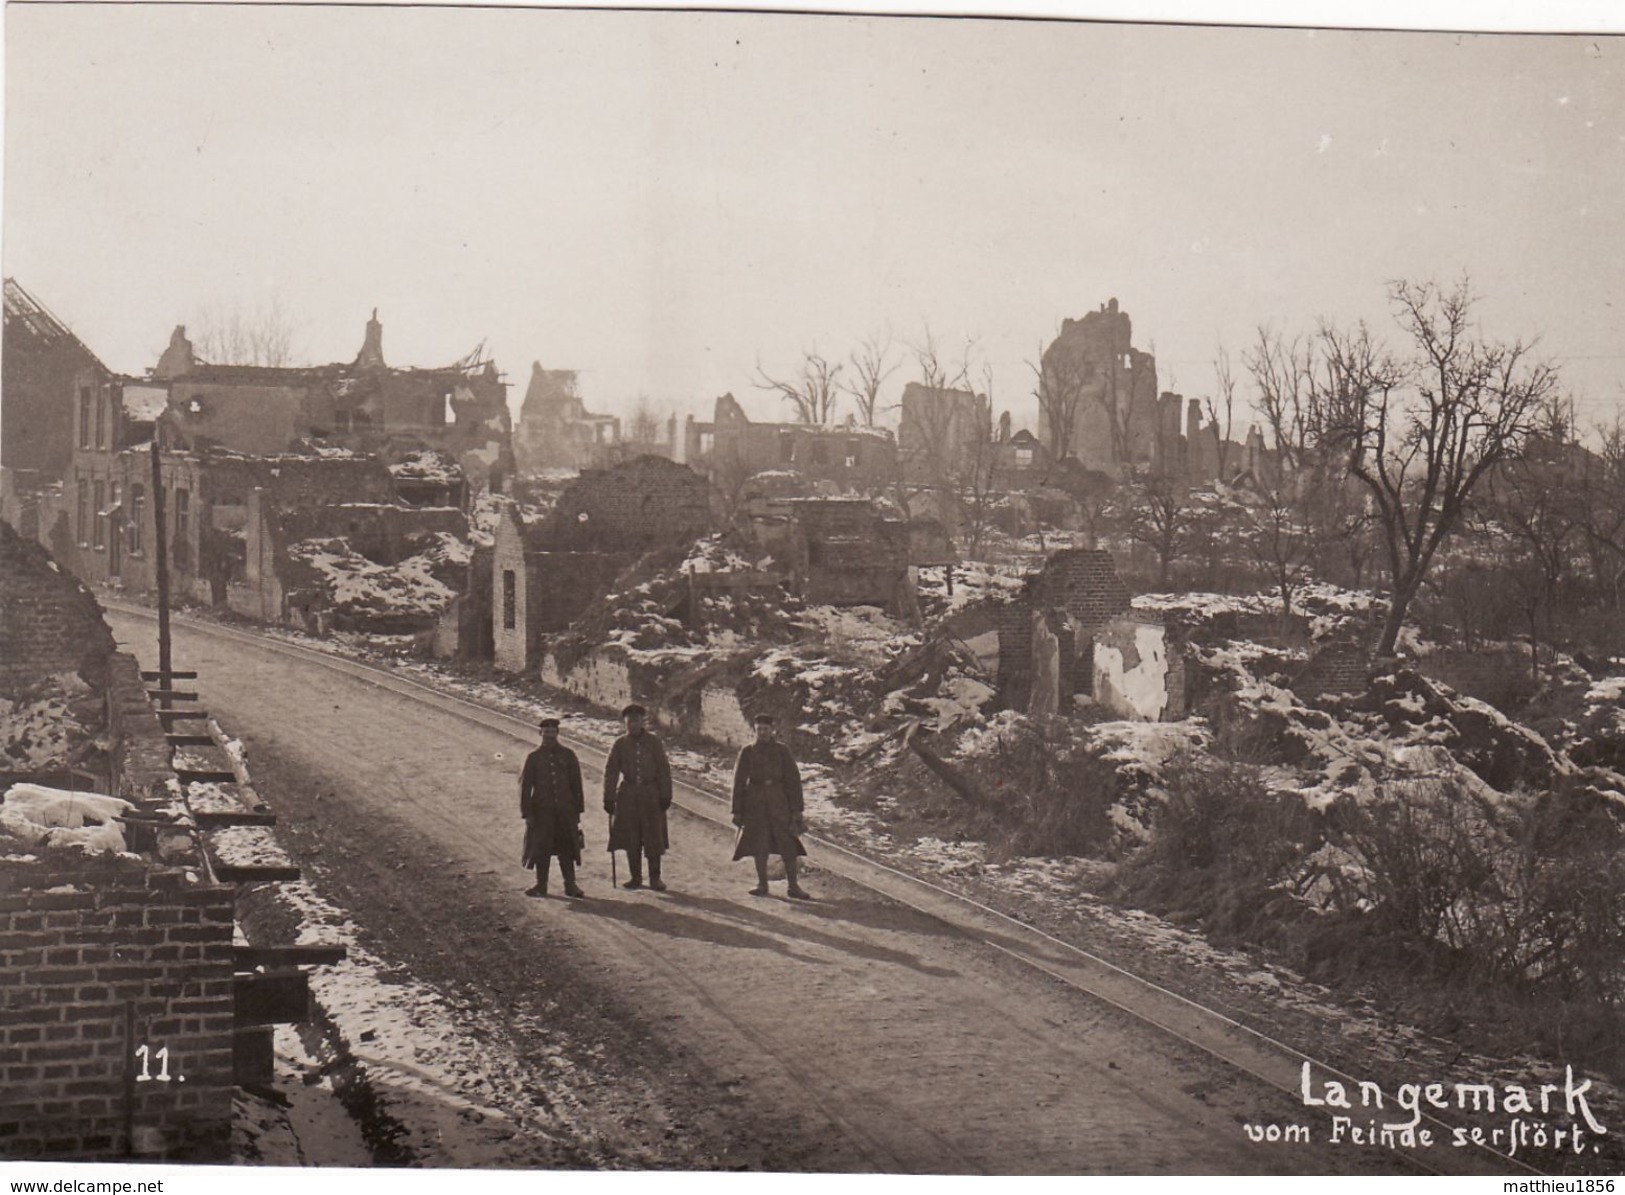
510 599
138 502
99 537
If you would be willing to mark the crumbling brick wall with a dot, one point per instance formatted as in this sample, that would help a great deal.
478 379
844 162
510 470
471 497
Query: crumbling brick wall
1084 583
1081 584
96 961
1335 668
49 622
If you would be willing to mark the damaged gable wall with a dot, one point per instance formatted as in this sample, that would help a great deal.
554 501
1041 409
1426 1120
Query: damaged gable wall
49 622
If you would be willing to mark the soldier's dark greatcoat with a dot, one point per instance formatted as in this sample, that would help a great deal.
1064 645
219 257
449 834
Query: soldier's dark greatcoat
551 800
637 793
767 802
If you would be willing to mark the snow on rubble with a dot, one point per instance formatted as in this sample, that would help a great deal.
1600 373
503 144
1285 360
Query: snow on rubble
42 728
38 816
357 585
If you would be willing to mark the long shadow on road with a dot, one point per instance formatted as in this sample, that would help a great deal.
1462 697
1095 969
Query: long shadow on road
658 919
766 918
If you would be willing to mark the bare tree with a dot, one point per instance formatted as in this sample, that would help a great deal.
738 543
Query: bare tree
1160 517
1223 399
871 365
1281 372
978 476
1280 544
943 428
644 427
812 393
1421 434
232 336
1060 383
1602 512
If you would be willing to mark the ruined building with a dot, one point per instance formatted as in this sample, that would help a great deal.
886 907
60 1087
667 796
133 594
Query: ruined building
943 432
1071 637
841 552
46 373
556 431
731 449
1192 449
364 405
545 574
1098 393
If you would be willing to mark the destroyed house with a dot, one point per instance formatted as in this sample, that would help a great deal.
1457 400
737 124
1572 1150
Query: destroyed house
46 375
840 551
556 431
545 574
732 448
365 405
941 431
1072 633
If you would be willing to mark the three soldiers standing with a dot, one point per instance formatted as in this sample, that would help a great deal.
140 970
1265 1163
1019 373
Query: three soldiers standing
767 805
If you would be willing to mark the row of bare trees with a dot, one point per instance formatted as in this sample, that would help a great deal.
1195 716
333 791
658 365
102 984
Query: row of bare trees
814 390
1445 445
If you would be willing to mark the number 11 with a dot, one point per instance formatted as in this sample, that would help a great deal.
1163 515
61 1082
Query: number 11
163 1064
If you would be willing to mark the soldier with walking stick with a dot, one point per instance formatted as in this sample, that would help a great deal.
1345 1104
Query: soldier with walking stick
637 793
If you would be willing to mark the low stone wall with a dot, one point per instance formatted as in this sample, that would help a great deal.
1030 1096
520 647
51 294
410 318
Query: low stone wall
722 720
598 678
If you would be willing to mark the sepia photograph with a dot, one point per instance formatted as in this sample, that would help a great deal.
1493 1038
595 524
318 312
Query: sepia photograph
959 592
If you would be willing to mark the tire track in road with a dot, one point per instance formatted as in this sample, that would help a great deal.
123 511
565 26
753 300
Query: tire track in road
892 1126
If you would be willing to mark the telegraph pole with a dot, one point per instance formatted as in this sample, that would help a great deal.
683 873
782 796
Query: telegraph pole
160 548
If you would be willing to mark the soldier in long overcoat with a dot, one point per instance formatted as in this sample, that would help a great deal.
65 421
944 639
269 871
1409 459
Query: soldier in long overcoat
767 807
637 793
551 800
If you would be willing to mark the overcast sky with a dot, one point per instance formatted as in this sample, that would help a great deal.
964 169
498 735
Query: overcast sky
660 199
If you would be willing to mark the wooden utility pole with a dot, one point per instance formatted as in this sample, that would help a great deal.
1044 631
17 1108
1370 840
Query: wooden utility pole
160 549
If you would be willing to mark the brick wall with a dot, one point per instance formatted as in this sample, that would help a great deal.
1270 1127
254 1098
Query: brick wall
1081 583
1335 668
49 622
1084 583
96 961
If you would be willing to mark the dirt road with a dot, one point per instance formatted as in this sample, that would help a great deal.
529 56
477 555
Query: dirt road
853 1033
